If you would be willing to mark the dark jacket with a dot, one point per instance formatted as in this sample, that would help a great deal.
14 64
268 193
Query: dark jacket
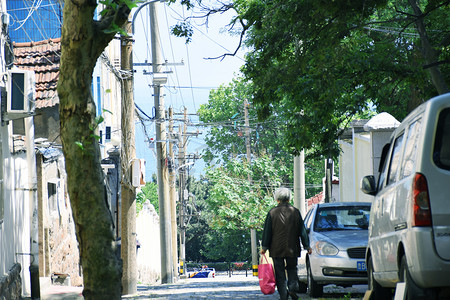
283 230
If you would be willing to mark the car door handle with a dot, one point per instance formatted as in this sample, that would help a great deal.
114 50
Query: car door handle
400 226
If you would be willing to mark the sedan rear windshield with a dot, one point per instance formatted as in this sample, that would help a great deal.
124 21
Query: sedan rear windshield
342 218
441 152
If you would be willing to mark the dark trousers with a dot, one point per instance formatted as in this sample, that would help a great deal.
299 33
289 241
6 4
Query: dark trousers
281 266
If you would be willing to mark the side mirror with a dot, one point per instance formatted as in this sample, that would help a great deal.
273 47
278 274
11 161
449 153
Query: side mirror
368 185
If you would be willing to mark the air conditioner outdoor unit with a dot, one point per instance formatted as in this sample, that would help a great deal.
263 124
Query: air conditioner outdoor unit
20 91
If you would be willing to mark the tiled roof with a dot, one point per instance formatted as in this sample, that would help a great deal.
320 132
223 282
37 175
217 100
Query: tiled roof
43 58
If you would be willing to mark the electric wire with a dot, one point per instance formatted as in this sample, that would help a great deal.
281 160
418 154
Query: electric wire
204 34
31 10
189 70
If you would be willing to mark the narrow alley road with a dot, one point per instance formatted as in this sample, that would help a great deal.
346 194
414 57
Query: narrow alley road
224 287
221 287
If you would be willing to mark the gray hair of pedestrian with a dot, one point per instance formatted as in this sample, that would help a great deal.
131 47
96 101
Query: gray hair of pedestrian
282 194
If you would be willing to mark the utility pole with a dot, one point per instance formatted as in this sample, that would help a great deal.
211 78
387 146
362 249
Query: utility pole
128 232
167 269
328 179
172 191
249 160
299 183
182 179
32 193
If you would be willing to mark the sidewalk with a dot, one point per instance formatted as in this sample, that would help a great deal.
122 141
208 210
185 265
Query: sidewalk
50 291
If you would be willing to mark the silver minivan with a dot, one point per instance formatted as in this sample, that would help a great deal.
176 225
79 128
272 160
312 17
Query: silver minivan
409 228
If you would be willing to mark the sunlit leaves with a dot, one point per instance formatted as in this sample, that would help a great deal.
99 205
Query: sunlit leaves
238 203
332 59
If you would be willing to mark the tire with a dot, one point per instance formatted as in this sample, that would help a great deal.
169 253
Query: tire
378 292
413 292
302 287
315 290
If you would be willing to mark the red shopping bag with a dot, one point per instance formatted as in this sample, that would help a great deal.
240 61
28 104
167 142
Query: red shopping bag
266 276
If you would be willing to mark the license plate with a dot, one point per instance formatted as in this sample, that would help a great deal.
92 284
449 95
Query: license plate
361 266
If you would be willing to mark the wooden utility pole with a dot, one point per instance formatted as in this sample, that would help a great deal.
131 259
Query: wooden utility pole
128 192
159 78
172 191
249 160
182 181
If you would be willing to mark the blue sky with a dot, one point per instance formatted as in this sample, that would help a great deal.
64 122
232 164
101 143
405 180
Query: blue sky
188 85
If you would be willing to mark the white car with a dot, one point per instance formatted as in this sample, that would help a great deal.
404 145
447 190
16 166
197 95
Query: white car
338 238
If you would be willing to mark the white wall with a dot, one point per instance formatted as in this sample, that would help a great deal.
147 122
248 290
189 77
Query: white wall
379 139
15 229
346 178
363 164
149 255
110 93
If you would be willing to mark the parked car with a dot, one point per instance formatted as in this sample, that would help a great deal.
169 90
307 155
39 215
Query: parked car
204 272
409 230
338 237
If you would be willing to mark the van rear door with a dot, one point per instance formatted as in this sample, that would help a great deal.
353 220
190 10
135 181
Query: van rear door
437 173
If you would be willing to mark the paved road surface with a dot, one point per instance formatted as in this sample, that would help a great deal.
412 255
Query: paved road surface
224 287
221 287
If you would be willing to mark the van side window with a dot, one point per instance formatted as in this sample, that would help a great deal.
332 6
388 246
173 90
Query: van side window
383 166
410 149
441 151
395 160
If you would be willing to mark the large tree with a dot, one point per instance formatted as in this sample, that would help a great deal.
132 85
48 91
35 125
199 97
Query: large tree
326 61
238 203
83 40
332 59
223 116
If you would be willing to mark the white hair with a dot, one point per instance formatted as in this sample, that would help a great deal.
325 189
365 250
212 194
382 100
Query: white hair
283 194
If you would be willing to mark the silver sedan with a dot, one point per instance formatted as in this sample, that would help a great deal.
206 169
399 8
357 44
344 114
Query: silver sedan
338 236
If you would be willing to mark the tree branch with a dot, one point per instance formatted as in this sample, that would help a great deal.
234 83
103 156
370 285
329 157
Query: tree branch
241 38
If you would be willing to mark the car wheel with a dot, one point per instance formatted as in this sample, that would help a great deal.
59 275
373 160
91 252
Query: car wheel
315 290
413 292
302 287
378 292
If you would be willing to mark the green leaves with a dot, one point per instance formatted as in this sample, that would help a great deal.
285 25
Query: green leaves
111 7
334 59
148 192
183 29
237 204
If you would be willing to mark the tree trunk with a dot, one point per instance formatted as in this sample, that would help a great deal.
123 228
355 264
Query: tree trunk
428 52
82 42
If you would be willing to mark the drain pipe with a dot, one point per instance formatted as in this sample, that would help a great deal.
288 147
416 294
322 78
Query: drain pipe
32 190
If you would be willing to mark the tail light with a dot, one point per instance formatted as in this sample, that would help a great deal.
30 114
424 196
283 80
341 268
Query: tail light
420 201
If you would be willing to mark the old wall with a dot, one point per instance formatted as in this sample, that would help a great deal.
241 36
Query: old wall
58 247
11 284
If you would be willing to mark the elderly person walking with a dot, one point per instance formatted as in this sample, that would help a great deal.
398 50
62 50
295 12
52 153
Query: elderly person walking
283 230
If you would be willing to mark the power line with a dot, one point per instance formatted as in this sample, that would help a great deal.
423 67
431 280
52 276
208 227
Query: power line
204 34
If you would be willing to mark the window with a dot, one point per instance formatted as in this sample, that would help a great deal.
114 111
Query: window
308 219
411 148
383 166
441 151
108 133
395 160
342 218
99 97
52 197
